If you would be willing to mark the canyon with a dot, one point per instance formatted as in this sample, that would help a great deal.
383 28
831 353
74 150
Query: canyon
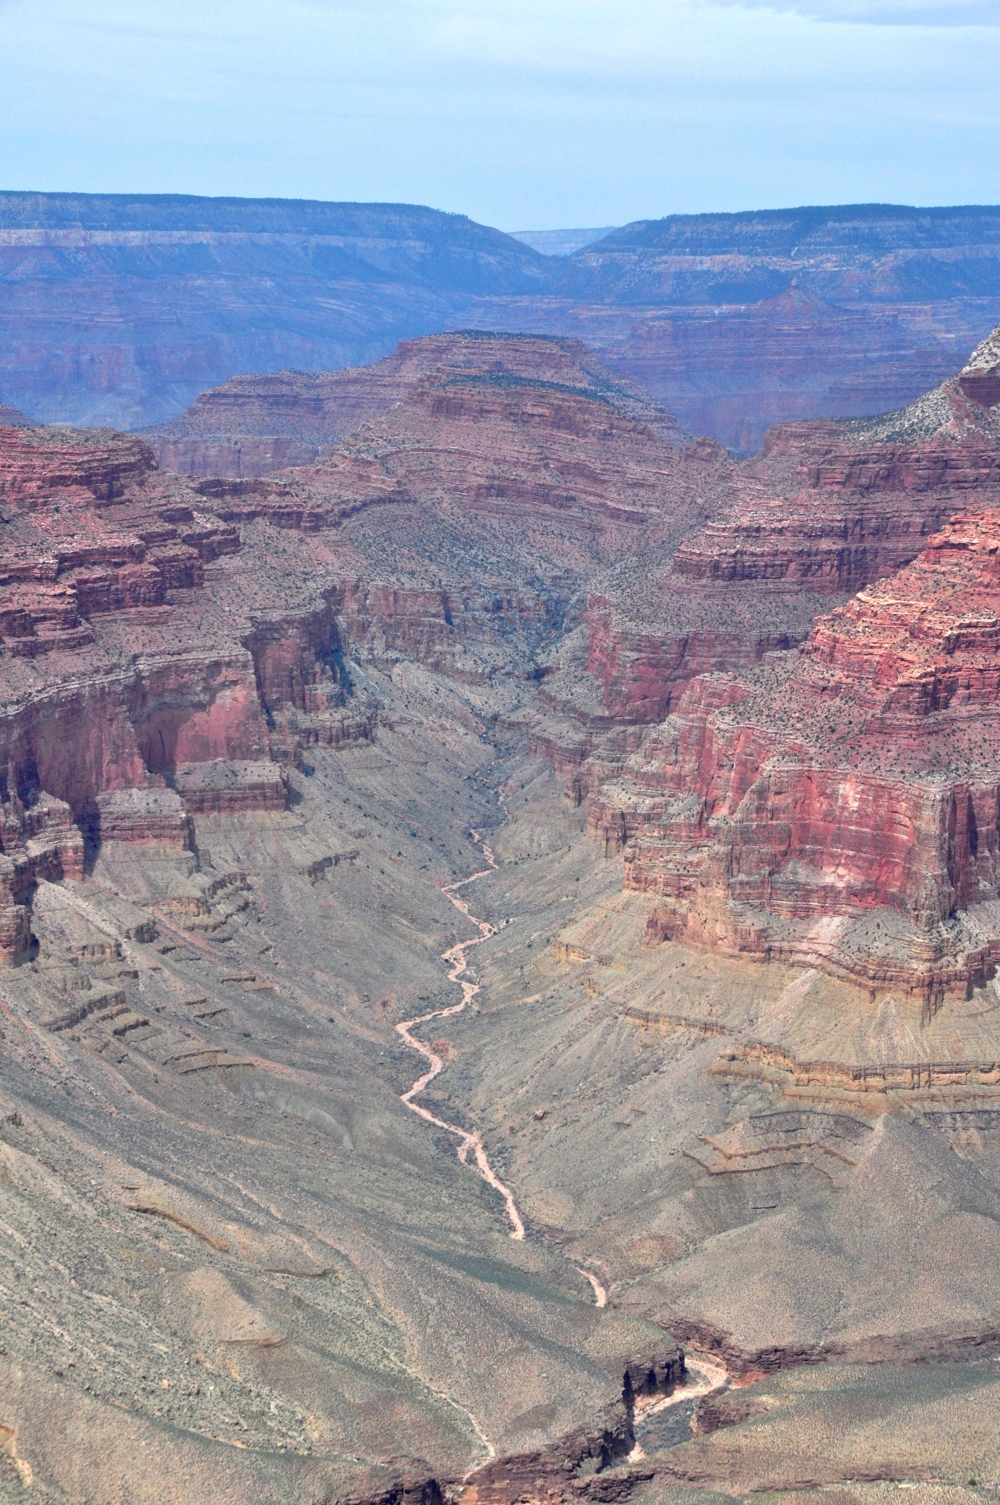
499 927
123 309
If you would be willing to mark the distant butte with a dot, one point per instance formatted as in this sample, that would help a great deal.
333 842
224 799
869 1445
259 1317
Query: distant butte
254 425
122 309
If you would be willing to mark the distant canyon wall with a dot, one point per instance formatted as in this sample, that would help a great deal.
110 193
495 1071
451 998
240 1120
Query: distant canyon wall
121 310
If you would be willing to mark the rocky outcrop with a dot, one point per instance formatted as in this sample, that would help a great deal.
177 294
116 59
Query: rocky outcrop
574 1467
254 425
167 646
558 1473
39 840
12 418
827 509
225 787
136 690
980 379
832 507
96 463
644 659
839 806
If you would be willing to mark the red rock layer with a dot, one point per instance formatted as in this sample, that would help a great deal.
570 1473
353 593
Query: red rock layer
835 506
980 379
842 806
254 425
13 418
135 689
164 645
96 462
825 510
644 661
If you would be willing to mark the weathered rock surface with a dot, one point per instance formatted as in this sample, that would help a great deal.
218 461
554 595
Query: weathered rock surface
856 777
159 637
248 725
129 678
836 506
814 807
254 425
980 379
12 418
825 510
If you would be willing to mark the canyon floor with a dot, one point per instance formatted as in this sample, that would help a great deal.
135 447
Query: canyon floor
230 1249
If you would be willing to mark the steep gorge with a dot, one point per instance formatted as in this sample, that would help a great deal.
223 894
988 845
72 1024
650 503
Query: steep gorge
728 1059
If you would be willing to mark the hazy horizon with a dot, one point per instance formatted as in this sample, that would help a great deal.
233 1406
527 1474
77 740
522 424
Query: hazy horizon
524 116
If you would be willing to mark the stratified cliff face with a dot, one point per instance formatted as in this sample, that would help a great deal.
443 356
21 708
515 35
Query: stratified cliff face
254 425
511 473
742 321
162 643
122 308
126 664
787 797
834 506
839 805
980 379
825 510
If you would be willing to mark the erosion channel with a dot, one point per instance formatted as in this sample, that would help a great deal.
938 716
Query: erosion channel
456 958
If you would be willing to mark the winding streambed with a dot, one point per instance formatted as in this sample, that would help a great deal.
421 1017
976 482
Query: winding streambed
456 959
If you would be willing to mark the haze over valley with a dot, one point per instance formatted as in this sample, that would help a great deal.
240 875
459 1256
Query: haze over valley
123 309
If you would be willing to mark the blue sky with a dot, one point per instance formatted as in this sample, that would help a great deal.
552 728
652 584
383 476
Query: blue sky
527 114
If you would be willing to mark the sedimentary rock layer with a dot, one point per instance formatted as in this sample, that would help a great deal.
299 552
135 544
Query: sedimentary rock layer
122 309
254 425
162 640
855 777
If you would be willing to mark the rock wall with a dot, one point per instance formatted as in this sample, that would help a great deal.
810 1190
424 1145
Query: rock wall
166 645
132 694
826 509
841 804
254 425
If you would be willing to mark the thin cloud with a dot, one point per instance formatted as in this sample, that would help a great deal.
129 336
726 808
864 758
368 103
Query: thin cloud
932 13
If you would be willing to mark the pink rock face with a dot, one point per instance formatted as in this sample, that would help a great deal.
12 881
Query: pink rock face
826 509
254 425
831 507
980 380
95 461
643 674
122 663
836 805
861 776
